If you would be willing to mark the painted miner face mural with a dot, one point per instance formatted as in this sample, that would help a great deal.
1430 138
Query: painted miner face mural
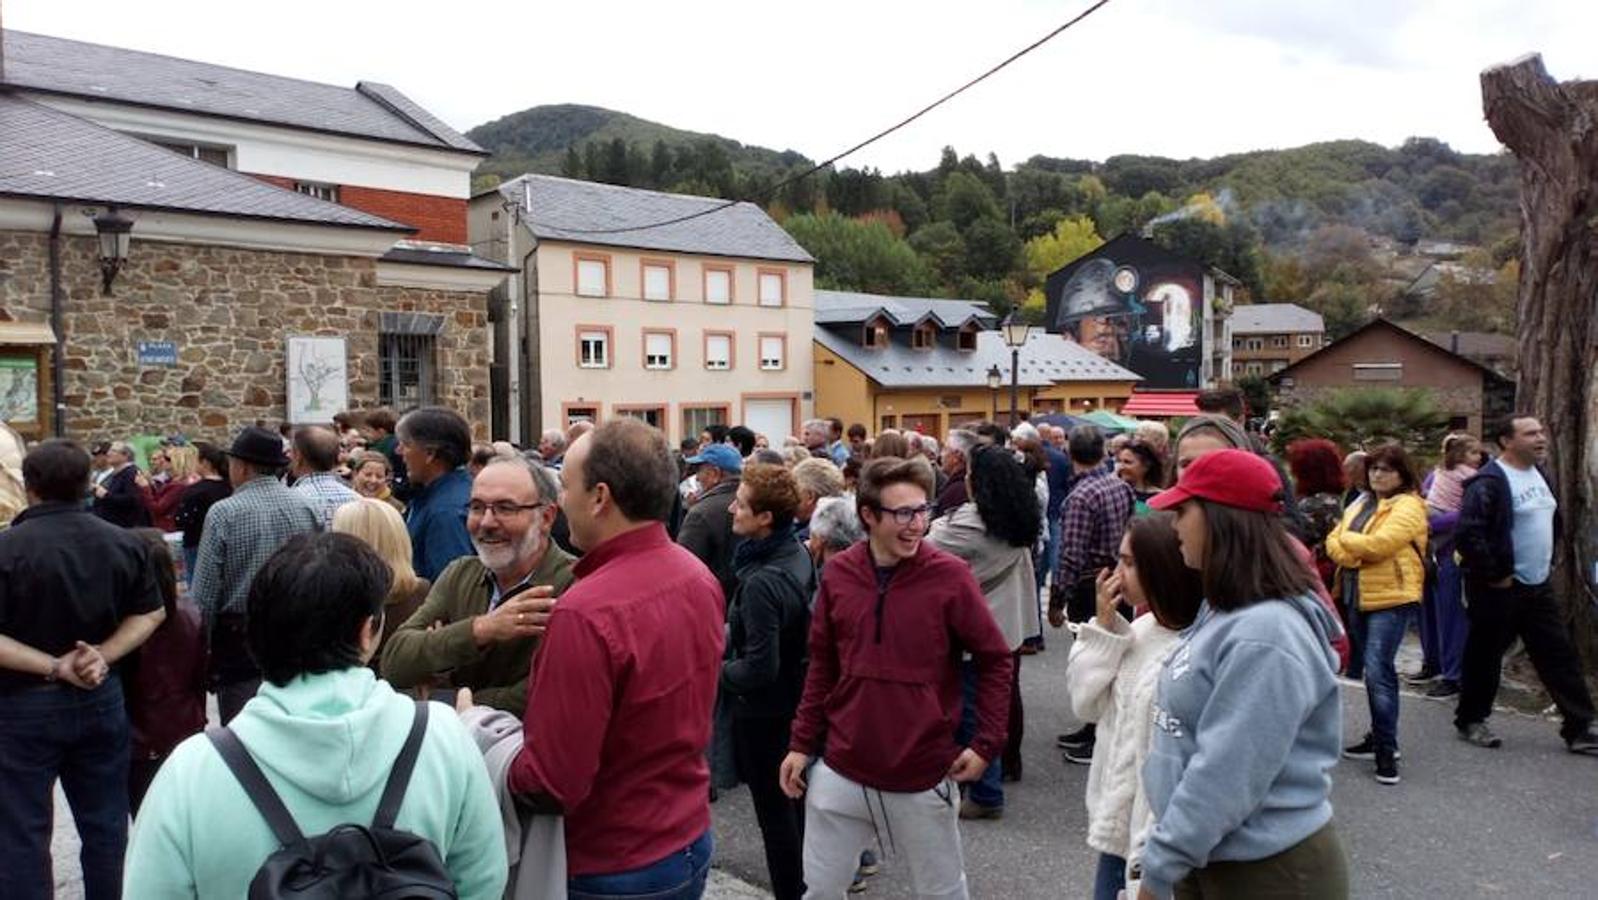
1135 305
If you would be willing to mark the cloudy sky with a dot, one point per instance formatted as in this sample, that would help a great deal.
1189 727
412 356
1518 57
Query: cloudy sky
1168 77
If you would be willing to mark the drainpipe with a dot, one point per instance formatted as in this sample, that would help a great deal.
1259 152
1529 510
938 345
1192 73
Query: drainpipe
58 391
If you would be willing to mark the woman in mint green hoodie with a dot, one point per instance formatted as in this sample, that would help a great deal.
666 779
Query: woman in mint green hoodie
325 732
1247 718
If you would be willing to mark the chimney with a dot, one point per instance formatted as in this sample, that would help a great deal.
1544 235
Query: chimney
1453 342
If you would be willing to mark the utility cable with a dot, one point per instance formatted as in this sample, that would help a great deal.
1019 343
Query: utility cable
857 147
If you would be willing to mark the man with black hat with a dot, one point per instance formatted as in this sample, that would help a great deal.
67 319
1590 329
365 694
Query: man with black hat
240 533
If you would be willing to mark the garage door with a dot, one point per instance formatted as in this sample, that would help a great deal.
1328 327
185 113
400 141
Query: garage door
772 418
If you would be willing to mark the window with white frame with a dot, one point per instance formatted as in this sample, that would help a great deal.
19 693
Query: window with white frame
773 349
216 156
718 285
657 350
1256 343
593 277
1278 365
1254 368
1279 341
771 288
657 281
1306 341
593 349
718 351
328 192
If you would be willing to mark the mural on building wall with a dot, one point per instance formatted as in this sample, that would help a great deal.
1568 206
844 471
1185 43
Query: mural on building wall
318 379
1135 304
19 389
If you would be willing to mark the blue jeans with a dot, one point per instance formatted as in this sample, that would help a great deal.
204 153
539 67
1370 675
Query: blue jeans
1384 631
1452 624
680 876
1041 569
989 789
1111 877
80 737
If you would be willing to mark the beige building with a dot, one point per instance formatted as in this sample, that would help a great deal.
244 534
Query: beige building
701 321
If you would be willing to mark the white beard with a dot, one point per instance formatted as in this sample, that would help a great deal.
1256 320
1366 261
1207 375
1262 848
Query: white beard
504 557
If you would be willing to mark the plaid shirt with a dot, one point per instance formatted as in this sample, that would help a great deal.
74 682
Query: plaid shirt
326 493
240 533
1094 518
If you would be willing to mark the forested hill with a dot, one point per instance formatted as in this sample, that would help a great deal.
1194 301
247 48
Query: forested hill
1332 226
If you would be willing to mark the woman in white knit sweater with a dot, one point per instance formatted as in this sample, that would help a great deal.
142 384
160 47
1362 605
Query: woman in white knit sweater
1114 668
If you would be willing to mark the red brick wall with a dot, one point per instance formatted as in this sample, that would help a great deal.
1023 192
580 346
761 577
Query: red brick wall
440 219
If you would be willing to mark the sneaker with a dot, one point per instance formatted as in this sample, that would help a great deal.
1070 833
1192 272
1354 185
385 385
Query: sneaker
868 864
1443 688
1081 754
1585 743
970 809
1386 767
1366 749
1077 738
1479 734
858 886
1426 673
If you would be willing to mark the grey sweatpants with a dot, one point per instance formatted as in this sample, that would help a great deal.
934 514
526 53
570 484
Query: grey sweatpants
843 818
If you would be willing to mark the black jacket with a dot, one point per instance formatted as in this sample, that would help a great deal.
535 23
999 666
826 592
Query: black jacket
768 625
123 503
1484 538
706 532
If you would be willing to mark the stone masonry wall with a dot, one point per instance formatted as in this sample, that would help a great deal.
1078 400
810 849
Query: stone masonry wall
230 312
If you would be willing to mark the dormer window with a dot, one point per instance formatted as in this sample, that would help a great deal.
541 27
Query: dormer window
925 337
876 335
967 339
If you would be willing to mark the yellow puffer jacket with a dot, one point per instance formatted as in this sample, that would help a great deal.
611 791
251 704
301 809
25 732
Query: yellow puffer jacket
1387 553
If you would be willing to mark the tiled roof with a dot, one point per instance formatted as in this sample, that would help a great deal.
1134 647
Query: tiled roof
57 65
846 307
566 210
1045 359
1275 318
48 154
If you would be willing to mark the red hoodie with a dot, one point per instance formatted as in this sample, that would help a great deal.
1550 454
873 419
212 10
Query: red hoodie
882 696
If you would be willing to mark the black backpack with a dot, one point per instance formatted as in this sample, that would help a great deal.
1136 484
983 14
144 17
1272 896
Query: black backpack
351 860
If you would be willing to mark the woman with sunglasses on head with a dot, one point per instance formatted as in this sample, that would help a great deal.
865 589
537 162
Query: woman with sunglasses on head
1380 547
1247 719
995 534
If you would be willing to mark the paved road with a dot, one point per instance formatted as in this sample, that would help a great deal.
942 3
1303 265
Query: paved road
1521 821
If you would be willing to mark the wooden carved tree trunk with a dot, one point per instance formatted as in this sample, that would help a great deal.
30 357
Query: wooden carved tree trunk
1552 129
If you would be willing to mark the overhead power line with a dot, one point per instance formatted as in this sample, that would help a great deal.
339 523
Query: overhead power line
857 147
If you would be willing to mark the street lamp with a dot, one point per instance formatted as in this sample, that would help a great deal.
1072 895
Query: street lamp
116 232
995 379
1015 335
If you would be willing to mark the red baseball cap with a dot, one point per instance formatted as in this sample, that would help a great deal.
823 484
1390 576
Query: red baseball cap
1234 478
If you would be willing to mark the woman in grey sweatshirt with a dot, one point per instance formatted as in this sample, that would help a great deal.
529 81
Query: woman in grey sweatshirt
1247 718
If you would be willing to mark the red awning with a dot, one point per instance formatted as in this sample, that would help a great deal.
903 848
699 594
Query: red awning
1161 404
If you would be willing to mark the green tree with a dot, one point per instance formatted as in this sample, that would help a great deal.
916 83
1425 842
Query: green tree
942 247
615 162
1071 238
1257 394
660 164
1364 417
966 199
1344 307
572 165
992 250
852 255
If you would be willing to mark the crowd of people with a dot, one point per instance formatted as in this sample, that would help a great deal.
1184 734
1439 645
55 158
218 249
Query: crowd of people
618 629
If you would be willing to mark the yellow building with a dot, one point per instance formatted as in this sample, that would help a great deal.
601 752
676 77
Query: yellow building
925 365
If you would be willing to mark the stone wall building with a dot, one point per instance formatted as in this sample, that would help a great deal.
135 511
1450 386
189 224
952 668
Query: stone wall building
262 210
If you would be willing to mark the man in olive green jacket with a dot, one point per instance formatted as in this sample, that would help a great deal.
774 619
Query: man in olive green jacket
481 622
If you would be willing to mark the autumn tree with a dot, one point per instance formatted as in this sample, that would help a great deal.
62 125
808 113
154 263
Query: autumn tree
1552 129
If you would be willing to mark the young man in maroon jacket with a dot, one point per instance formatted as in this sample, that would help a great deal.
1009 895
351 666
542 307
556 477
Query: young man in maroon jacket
619 703
883 690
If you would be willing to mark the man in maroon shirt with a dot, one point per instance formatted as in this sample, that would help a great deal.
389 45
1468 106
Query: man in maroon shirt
619 709
891 621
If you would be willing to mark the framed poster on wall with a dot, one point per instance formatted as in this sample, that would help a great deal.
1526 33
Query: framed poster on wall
318 379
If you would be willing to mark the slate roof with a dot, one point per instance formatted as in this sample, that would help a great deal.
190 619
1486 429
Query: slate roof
47 154
1046 359
442 256
848 307
42 63
1275 318
565 210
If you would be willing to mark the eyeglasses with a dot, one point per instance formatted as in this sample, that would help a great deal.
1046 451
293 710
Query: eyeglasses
904 515
504 509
